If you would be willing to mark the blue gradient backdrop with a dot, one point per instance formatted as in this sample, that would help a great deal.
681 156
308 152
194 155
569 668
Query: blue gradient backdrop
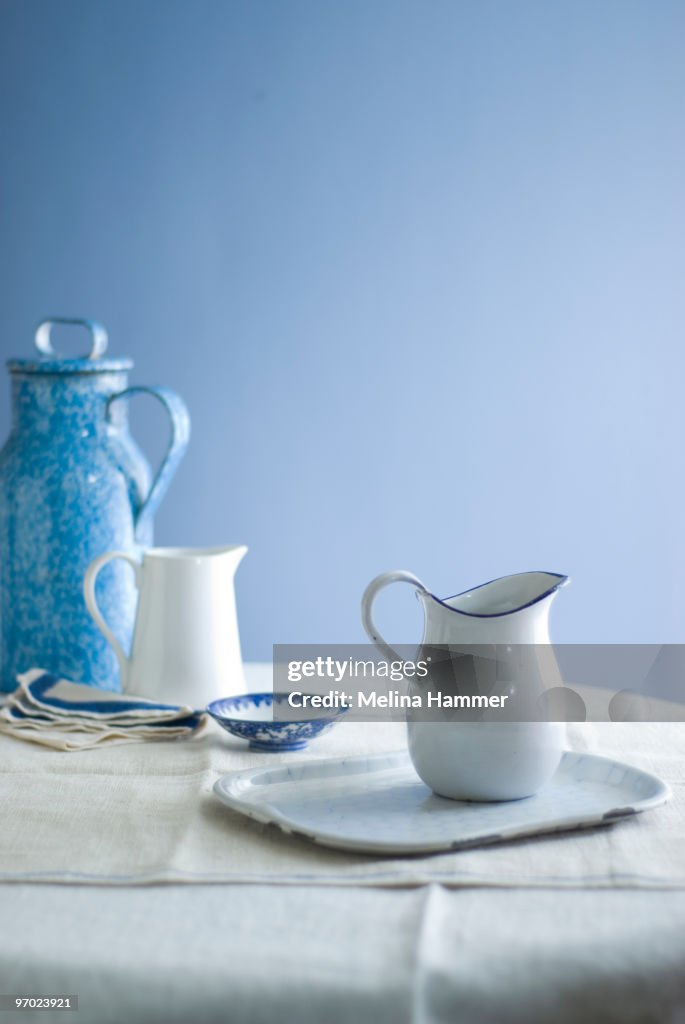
417 269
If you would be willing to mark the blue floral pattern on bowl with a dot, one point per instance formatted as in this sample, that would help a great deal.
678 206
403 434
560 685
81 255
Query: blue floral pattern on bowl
250 716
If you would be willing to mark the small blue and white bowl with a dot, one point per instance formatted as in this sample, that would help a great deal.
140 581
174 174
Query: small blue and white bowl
260 718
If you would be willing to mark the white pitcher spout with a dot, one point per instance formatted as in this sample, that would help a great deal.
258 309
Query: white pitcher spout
234 554
505 595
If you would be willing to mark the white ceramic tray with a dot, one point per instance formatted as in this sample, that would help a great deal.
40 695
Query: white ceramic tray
379 805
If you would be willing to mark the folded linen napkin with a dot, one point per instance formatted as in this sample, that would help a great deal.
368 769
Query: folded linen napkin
70 716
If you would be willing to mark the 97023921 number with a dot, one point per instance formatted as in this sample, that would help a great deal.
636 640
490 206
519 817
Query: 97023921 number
25 1002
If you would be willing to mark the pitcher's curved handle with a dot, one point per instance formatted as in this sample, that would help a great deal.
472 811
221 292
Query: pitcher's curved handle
384 580
98 335
92 605
180 433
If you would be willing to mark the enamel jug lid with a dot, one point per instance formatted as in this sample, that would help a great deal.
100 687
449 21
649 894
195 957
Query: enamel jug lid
50 361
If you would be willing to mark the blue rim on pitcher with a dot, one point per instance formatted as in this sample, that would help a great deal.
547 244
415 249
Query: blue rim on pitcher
561 579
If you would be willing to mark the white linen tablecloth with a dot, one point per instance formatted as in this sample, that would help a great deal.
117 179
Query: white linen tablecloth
247 954
539 941
146 813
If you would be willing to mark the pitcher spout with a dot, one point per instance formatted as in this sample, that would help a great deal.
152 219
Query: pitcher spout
234 554
505 595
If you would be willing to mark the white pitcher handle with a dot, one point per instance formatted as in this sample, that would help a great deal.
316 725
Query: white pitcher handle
384 580
91 604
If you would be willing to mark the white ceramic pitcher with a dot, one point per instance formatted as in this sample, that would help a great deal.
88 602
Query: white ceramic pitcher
492 759
186 647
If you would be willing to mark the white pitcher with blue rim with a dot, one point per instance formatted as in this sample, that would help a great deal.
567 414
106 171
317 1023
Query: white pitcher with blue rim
490 641
73 485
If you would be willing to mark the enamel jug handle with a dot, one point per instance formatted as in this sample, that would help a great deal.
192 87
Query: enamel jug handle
384 580
92 605
180 433
98 335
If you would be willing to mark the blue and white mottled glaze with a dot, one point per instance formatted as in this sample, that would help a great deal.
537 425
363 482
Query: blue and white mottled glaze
73 485
249 717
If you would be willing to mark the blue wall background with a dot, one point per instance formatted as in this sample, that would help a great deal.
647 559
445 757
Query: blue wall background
417 269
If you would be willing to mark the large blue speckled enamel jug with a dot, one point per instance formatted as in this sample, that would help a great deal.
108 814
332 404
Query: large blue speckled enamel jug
73 484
